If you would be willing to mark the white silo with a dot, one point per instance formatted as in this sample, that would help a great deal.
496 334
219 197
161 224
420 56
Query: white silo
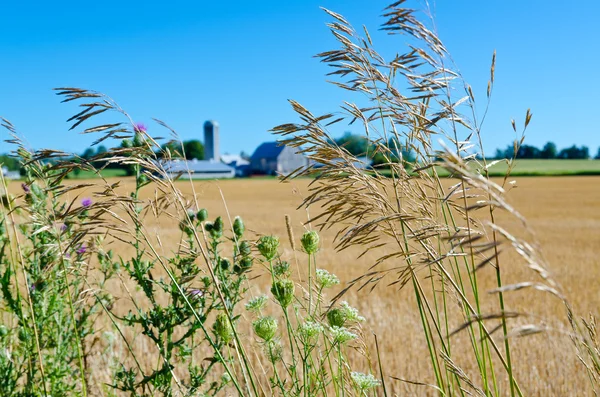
211 140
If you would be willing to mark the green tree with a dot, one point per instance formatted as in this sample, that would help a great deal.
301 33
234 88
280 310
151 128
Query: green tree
194 149
357 145
549 151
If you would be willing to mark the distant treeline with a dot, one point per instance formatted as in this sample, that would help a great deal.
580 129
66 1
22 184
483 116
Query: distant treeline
549 151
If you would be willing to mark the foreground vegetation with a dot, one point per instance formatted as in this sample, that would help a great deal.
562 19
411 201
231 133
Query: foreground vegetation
91 277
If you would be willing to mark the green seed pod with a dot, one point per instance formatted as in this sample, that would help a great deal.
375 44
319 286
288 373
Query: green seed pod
223 328
208 227
310 242
244 248
336 317
238 227
265 328
225 264
267 246
3 331
202 215
283 291
126 143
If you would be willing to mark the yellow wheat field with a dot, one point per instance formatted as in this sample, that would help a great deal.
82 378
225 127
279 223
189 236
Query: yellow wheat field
564 212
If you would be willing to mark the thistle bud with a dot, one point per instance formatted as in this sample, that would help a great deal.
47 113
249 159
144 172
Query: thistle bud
265 328
202 215
218 225
283 291
142 180
244 265
138 140
267 246
222 328
310 242
238 227
244 248
224 264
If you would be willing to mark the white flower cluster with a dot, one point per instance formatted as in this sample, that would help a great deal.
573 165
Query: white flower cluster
256 304
309 330
326 279
351 313
341 335
364 381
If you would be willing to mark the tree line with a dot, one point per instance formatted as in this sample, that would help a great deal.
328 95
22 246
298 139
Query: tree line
549 151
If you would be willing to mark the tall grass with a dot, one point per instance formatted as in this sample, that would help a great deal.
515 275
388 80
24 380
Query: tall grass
188 320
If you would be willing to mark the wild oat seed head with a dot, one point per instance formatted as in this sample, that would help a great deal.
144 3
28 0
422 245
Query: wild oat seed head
265 328
290 231
310 242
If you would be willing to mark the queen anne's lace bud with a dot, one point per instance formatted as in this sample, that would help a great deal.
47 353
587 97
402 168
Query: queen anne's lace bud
265 328
223 328
283 291
310 242
267 246
336 317
274 350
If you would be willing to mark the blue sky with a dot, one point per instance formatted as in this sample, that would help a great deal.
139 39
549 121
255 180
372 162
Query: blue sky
238 62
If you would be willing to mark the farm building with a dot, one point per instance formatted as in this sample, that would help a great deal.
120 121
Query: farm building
198 169
211 168
272 158
241 165
10 174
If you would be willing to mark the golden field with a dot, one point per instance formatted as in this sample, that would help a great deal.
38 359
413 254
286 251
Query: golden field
564 213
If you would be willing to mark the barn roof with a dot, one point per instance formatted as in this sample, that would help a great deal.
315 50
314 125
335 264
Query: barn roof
198 166
268 150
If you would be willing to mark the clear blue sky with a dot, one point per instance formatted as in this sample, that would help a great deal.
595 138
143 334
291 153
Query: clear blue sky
239 61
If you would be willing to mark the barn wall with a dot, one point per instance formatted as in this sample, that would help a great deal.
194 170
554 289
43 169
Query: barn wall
289 160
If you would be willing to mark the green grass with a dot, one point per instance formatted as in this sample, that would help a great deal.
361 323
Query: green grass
106 173
528 167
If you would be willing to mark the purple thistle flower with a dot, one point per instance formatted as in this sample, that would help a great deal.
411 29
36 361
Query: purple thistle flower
63 227
86 202
25 187
140 127
81 250
196 293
